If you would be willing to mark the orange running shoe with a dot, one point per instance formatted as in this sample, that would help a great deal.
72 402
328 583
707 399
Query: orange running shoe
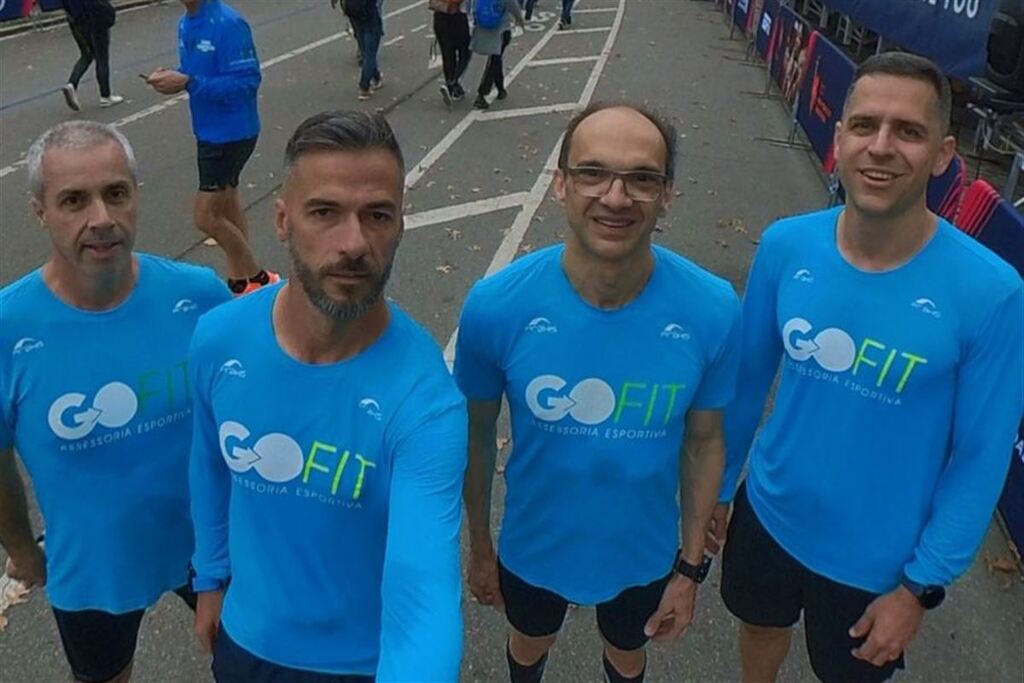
253 285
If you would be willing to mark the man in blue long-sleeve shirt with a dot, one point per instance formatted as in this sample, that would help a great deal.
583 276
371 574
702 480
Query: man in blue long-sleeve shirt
326 471
221 72
873 481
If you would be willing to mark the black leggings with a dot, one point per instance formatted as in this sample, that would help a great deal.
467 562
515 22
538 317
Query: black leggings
452 32
494 72
94 43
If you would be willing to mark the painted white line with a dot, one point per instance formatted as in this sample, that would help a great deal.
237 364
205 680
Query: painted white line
606 51
166 104
599 29
447 214
393 40
515 234
595 10
514 237
527 111
418 28
563 60
438 150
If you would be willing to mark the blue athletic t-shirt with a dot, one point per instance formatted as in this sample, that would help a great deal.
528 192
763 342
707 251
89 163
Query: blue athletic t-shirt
330 495
598 401
899 398
99 408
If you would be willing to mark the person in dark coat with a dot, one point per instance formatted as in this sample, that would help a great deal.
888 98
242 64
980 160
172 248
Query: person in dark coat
90 22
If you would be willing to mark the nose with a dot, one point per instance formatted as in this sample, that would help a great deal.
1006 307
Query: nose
616 197
349 238
882 142
99 214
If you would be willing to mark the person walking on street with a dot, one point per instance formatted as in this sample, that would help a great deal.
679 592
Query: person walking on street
565 21
492 32
351 27
873 481
221 73
606 447
367 18
451 28
94 397
345 491
90 22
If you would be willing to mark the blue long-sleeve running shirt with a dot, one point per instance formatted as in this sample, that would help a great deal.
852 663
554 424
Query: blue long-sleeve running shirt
330 496
899 399
217 53
99 408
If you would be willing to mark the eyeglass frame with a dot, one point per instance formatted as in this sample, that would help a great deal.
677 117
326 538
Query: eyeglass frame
571 172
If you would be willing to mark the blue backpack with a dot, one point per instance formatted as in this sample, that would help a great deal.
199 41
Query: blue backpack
488 13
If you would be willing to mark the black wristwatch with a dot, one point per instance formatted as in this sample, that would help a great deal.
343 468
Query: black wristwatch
695 572
930 597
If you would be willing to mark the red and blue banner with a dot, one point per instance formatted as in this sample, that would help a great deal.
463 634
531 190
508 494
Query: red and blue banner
743 15
788 52
14 9
765 26
952 33
829 75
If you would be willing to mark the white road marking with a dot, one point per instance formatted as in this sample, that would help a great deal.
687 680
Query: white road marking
446 214
563 60
571 31
526 111
418 28
595 10
514 237
393 40
166 104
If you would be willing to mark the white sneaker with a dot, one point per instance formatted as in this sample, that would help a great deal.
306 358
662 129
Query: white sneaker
111 101
71 96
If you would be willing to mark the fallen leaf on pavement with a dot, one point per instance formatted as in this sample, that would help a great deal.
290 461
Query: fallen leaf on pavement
445 268
453 233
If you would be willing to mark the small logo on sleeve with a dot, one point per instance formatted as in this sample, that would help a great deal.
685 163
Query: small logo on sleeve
803 275
541 326
233 368
675 331
927 306
26 345
184 306
371 408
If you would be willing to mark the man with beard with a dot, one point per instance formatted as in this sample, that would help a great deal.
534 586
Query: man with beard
329 447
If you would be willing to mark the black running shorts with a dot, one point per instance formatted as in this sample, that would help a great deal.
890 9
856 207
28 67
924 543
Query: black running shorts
763 585
538 612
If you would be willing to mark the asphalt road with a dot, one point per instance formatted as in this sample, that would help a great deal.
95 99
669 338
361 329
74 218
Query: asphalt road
478 197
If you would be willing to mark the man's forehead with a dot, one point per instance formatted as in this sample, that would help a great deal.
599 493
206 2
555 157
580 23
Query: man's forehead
619 132
876 93
102 163
363 169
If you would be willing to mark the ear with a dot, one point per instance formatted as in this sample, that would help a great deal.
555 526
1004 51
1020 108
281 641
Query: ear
835 139
281 220
38 210
667 197
946 152
559 184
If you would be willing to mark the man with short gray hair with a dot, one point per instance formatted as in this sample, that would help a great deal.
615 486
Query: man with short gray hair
329 449
94 398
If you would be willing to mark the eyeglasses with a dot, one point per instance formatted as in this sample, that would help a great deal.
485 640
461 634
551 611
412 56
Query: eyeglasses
640 186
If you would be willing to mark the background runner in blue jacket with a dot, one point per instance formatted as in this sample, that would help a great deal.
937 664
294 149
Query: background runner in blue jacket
329 447
874 479
95 399
221 72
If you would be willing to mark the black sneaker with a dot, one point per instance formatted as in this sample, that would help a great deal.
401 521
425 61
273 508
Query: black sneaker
458 92
481 103
502 94
446 95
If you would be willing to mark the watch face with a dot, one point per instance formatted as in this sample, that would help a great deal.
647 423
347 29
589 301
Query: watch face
932 596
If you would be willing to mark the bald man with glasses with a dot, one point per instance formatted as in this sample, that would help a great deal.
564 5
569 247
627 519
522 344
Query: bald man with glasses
616 358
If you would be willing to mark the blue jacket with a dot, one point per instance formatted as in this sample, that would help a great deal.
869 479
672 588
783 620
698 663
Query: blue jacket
217 54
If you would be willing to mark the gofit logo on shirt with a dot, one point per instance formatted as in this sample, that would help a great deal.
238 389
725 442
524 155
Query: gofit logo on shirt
114 405
278 459
835 350
593 401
